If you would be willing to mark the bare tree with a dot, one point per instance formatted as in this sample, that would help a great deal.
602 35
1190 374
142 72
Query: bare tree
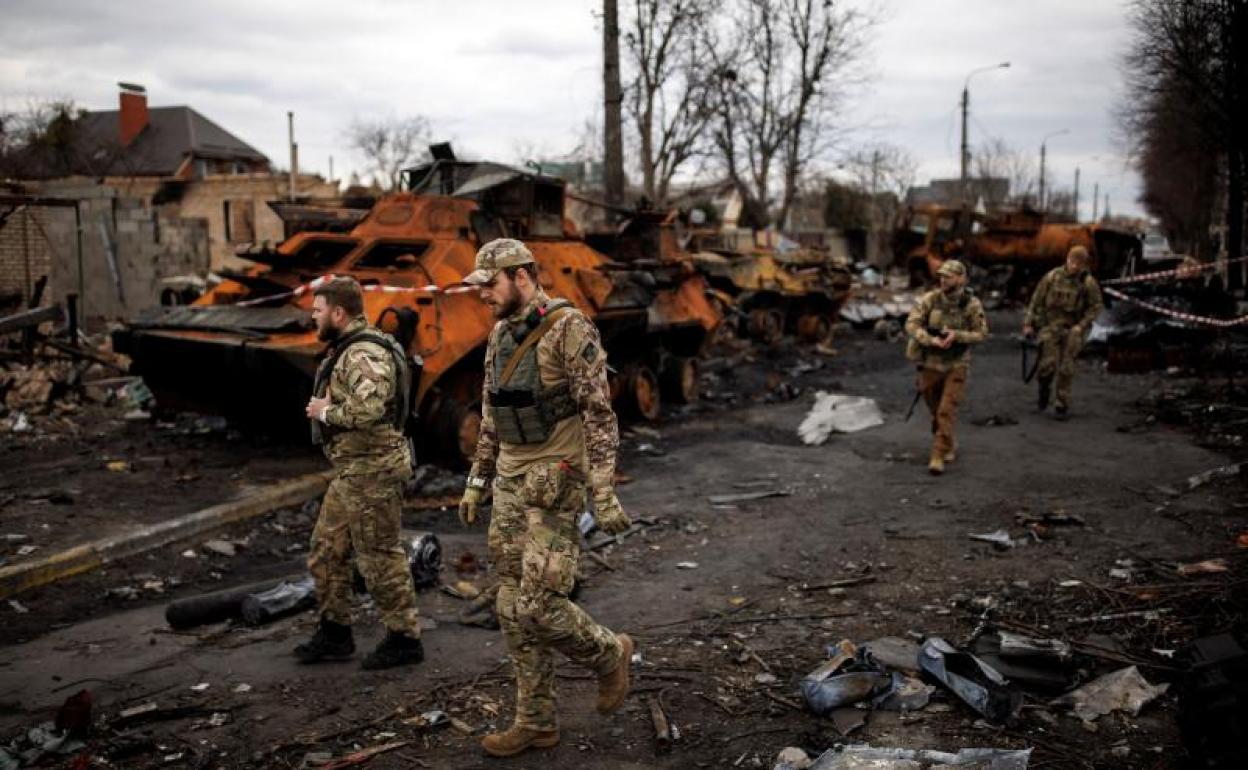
784 69
882 168
669 98
389 145
996 159
1186 111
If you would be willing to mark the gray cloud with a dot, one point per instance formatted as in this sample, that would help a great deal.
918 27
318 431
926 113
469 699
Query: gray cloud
498 75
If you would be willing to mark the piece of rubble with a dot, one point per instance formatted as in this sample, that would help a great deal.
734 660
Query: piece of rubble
792 758
999 538
978 684
895 653
745 497
866 757
840 413
219 547
1206 567
1123 690
849 676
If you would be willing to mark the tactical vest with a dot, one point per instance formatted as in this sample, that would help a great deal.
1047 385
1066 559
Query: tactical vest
939 318
399 407
525 412
1067 298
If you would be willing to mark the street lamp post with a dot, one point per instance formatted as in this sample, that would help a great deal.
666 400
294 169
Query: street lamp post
966 107
1043 142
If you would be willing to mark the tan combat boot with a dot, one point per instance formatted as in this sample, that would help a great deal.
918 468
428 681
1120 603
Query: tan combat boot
517 739
952 454
613 688
936 465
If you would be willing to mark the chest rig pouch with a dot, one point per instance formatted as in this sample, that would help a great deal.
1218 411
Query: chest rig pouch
399 407
941 317
525 412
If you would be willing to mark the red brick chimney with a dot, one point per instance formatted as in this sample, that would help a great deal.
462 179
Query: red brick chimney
133 112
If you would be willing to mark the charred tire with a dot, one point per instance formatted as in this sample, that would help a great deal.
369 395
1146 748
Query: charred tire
679 380
641 393
766 325
454 426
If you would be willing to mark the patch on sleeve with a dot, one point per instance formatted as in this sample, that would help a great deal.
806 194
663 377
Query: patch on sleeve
589 352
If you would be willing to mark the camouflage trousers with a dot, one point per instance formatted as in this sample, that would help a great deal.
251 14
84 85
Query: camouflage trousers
360 514
1059 347
534 544
942 392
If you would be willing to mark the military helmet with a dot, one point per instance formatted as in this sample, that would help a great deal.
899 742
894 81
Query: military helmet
951 267
496 255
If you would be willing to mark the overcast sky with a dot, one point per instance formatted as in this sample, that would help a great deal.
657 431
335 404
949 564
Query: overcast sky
507 79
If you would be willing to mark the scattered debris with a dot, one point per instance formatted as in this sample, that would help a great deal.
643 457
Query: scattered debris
1041 663
663 736
999 538
895 653
286 598
792 758
687 565
836 412
850 675
978 684
865 757
745 497
1221 472
1123 690
220 547
1206 567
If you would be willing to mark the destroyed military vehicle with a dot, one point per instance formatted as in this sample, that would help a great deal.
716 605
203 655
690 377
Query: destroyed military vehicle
247 348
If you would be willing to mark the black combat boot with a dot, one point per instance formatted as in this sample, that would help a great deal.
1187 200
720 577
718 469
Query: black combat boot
332 641
395 650
1046 387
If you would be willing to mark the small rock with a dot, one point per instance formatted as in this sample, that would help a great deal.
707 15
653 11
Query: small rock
18 607
687 565
765 678
792 758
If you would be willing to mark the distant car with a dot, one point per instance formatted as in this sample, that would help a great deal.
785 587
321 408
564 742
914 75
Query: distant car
1157 248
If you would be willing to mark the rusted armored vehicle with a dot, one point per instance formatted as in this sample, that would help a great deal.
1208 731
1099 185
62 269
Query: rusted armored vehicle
770 286
1018 245
247 348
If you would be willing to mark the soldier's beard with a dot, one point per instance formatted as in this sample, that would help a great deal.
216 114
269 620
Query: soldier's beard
508 307
327 332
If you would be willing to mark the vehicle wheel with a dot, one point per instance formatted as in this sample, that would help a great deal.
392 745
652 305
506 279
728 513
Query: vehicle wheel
643 393
766 325
680 380
814 327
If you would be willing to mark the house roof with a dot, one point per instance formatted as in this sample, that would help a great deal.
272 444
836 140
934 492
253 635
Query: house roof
171 134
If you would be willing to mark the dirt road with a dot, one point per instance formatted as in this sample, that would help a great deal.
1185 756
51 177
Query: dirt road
724 600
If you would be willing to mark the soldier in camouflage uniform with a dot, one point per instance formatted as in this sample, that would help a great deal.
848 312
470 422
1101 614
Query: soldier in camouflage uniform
1065 303
547 435
357 409
942 327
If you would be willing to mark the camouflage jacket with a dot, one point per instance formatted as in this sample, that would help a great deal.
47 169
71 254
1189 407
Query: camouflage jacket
571 351
935 312
362 438
1065 299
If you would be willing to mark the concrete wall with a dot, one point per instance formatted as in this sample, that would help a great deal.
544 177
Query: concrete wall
149 246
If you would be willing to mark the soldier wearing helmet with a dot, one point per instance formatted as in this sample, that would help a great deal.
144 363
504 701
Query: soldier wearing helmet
1062 308
942 327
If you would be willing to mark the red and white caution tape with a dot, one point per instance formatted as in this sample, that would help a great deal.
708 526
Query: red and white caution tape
316 283
1221 323
1186 271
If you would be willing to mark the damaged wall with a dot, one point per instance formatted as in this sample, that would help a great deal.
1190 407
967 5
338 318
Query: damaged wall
149 246
25 255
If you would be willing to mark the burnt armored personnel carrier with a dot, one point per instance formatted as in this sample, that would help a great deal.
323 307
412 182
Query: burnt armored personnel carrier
247 349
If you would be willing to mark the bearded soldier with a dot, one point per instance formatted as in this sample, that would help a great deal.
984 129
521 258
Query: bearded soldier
547 435
942 327
1065 303
358 408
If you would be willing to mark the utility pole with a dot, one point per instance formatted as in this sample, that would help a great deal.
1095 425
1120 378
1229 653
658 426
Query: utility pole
1096 198
331 168
1076 201
294 153
1042 207
613 100
966 108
